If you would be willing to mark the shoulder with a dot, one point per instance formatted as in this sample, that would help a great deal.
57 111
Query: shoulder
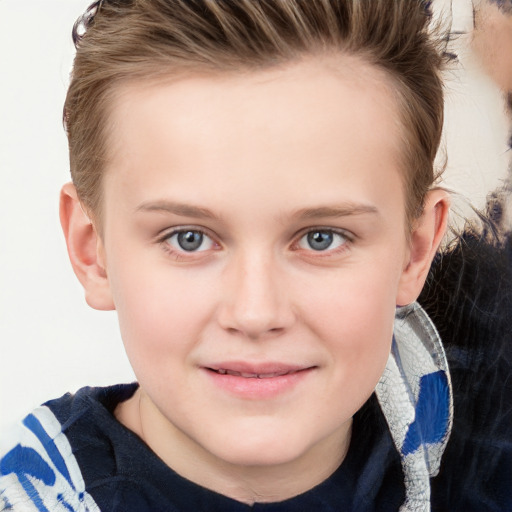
38 467
469 298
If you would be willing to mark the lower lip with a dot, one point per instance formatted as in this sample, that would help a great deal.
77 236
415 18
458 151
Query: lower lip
258 389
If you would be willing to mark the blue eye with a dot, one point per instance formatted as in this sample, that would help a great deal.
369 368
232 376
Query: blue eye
190 240
322 240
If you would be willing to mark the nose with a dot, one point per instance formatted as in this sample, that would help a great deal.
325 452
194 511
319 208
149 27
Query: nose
256 300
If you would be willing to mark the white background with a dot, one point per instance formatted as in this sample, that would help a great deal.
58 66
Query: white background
50 341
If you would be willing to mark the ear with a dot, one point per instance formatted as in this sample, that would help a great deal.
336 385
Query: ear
426 236
85 250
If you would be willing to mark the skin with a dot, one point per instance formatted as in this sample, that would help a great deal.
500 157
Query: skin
256 162
492 41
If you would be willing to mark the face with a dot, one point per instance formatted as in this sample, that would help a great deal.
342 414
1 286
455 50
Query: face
254 243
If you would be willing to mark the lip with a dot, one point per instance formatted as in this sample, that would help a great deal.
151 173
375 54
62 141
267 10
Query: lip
261 381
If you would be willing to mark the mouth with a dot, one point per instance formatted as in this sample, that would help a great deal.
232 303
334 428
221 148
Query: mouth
257 381
249 375
256 370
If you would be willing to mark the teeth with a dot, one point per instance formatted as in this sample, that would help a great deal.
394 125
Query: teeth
221 371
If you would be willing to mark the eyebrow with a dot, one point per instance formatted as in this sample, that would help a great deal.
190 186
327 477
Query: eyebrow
197 212
344 210
184 210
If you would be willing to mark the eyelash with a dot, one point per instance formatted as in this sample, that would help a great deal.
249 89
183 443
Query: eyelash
343 247
183 255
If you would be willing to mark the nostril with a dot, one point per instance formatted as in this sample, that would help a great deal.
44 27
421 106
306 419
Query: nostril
255 308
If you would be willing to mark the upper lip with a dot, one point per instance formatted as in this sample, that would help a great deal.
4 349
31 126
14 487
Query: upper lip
256 370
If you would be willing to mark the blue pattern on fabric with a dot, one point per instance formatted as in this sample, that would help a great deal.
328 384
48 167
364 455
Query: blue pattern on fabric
25 462
29 466
432 413
64 503
32 423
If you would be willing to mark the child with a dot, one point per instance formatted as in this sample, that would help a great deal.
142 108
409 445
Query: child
253 193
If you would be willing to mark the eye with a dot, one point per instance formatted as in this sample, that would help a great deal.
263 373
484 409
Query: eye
322 240
190 240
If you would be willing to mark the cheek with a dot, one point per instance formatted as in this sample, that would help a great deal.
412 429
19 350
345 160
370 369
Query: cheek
355 318
361 296
160 312
361 332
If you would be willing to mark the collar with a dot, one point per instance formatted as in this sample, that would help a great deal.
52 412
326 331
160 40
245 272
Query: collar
415 395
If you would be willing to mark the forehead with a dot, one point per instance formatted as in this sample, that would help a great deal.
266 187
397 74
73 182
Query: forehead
325 117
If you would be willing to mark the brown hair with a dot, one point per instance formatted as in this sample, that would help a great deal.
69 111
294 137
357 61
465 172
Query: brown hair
126 40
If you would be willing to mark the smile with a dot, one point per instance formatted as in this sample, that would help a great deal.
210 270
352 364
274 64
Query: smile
246 375
257 381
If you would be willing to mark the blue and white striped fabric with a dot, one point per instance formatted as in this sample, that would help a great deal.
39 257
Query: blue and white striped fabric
39 472
415 395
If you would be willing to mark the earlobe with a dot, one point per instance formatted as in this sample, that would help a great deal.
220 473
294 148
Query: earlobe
425 239
85 250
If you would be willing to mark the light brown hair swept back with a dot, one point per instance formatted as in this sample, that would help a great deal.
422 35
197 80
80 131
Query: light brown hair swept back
124 40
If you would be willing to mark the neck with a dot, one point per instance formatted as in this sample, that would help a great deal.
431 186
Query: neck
245 483
269 483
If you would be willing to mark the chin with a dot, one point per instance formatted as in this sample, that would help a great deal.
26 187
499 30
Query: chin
257 450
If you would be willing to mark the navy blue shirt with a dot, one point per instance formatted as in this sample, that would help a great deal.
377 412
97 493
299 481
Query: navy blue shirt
121 472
